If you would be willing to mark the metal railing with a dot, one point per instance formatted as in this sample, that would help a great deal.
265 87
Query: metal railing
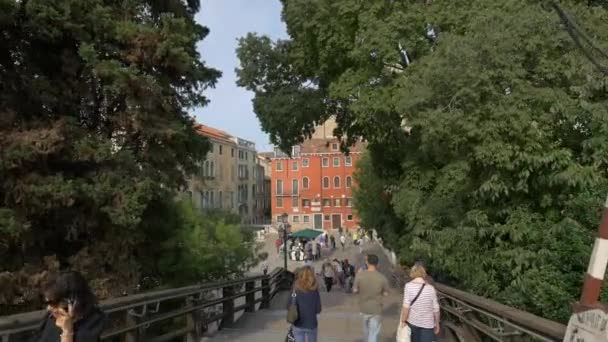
164 315
470 318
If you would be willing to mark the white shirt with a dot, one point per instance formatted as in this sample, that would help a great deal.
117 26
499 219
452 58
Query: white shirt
422 313
342 239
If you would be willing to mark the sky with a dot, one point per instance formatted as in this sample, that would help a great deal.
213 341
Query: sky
230 108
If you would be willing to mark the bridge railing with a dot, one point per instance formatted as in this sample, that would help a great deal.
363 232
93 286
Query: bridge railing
164 315
470 318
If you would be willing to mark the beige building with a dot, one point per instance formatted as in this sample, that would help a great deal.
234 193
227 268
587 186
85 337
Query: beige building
214 187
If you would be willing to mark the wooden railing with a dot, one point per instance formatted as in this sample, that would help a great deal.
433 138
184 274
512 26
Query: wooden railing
164 315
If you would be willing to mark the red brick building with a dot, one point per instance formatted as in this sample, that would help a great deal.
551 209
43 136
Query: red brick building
314 186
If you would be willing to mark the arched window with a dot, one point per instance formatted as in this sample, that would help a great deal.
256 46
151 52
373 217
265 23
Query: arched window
349 181
305 183
326 182
336 182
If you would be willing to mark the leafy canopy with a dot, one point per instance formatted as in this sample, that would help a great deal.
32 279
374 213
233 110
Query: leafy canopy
93 129
483 117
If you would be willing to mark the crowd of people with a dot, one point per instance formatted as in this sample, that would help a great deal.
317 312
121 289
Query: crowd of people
419 317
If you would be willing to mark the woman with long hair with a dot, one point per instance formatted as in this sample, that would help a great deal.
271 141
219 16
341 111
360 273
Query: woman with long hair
308 301
73 315
420 306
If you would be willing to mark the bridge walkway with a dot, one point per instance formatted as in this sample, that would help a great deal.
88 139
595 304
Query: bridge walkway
339 320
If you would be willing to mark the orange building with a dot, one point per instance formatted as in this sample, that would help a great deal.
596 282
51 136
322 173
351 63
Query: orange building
314 186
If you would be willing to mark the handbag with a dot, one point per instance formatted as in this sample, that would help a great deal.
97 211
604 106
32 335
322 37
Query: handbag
290 337
404 333
292 309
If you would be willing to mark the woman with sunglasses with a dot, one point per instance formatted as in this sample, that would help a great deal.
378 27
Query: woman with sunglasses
73 315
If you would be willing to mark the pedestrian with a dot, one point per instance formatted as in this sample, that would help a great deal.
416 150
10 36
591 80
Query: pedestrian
339 272
265 268
333 242
72 312
278 244
420 306
343 241
328 274
319 251
370 285
308 302
349 275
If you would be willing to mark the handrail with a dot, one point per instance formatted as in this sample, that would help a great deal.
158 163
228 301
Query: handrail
535 324
193 302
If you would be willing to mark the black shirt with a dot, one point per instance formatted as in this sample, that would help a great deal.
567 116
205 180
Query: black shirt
87 329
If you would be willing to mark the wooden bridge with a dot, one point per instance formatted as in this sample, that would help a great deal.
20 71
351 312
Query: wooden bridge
253 309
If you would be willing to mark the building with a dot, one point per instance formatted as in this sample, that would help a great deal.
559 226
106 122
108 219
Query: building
247 187
232 177
214 186
263 199
314 186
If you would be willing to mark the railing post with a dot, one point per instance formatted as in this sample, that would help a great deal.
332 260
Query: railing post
131 321
265 293
227 307
250 297
192 324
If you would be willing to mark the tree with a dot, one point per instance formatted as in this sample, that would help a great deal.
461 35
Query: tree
93 129
484 118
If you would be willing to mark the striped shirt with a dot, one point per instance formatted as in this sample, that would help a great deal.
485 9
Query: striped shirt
422 313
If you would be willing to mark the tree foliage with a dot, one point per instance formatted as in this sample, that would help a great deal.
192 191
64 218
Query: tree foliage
499 176
93 129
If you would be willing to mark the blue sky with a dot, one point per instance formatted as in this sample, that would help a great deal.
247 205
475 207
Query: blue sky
230 108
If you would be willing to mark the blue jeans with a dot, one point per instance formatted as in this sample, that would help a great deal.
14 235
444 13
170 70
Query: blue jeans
371 327
421 334
302 334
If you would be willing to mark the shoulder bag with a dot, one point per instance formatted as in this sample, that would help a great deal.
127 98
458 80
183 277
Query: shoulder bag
292 309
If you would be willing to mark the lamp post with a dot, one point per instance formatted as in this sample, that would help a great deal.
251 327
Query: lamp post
284 222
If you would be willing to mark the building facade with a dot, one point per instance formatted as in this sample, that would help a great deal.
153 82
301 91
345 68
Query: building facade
314 186
229 177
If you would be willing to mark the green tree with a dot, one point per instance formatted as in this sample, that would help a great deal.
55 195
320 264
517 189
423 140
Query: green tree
483 117
93 129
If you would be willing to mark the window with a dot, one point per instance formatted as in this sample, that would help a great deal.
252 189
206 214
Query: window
296 219
325 162
279 187
221 198
334 146
348 161
279 218
349 181
279 202
305 162
220 149
294 165
294 202
326 202
211 148
336 161
211 199
326 217
306 219
305 183
337 202
337 182
306 203
349 217
253 190
294 187
325 182
232 152
349 202
279 166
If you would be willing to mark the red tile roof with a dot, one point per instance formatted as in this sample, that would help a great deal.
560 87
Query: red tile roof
214 133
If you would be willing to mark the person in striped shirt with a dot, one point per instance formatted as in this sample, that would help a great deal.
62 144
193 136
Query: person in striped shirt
420 306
